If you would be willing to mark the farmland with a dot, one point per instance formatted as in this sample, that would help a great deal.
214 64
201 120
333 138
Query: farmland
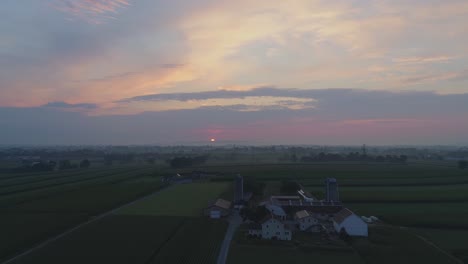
432 200
136 239
424 204
180 200
39 205
148 231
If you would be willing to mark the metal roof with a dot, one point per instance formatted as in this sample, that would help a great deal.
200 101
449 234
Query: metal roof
302 214
342 215
222 203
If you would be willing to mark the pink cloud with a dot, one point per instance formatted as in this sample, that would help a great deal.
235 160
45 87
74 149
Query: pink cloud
92 11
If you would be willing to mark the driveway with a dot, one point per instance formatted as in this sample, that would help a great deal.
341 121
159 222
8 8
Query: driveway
234 222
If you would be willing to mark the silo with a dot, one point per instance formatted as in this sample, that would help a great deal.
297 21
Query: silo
239 189
331 190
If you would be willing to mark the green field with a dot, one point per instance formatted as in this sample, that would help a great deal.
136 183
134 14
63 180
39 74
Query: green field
428 201
179 200
136 239
395 245
46 204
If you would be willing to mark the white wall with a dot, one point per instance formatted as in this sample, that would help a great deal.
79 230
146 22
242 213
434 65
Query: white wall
306 222
274 228
353 225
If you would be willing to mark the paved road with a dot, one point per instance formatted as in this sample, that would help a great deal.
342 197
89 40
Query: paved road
234 222
94 219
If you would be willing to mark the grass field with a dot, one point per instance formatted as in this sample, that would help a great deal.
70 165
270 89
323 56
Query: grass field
179 200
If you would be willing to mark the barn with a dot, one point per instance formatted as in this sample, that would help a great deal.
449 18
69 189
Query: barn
346 221
218 209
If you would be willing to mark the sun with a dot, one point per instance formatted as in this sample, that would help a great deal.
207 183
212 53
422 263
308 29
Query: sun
213 140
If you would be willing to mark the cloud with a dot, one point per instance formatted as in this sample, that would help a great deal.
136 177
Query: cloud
93 11
65 105
341 117
422 60
436 77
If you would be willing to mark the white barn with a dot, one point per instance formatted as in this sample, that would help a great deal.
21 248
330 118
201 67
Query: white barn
353 225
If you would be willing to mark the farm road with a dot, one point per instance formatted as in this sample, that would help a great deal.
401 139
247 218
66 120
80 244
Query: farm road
234 222
94 219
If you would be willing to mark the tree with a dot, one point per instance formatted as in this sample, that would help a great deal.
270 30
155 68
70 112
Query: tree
294 157
254 186
85 163
65 164
462 164
289 187
403 158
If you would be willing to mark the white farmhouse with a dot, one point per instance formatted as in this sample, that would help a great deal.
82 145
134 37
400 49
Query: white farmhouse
353 225
271 228
306 221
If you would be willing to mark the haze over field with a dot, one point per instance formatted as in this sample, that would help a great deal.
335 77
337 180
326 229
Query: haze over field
254 72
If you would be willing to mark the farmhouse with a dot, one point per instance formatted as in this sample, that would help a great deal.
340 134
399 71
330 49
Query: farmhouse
346 221
271 228
218 209
306 221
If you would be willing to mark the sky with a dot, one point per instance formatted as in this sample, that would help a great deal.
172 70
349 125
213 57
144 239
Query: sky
244 72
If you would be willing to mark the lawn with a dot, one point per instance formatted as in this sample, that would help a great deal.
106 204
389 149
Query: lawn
179 200
303 248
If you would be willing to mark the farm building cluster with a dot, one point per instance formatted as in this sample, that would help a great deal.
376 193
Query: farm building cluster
303 212
221 208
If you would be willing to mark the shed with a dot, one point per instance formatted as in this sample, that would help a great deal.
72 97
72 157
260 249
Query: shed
218 209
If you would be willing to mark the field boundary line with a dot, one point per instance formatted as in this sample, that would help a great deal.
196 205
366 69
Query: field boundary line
438 248
71 230
155 253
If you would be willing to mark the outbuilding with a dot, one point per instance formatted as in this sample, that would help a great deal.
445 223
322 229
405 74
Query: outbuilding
220 208
305 220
